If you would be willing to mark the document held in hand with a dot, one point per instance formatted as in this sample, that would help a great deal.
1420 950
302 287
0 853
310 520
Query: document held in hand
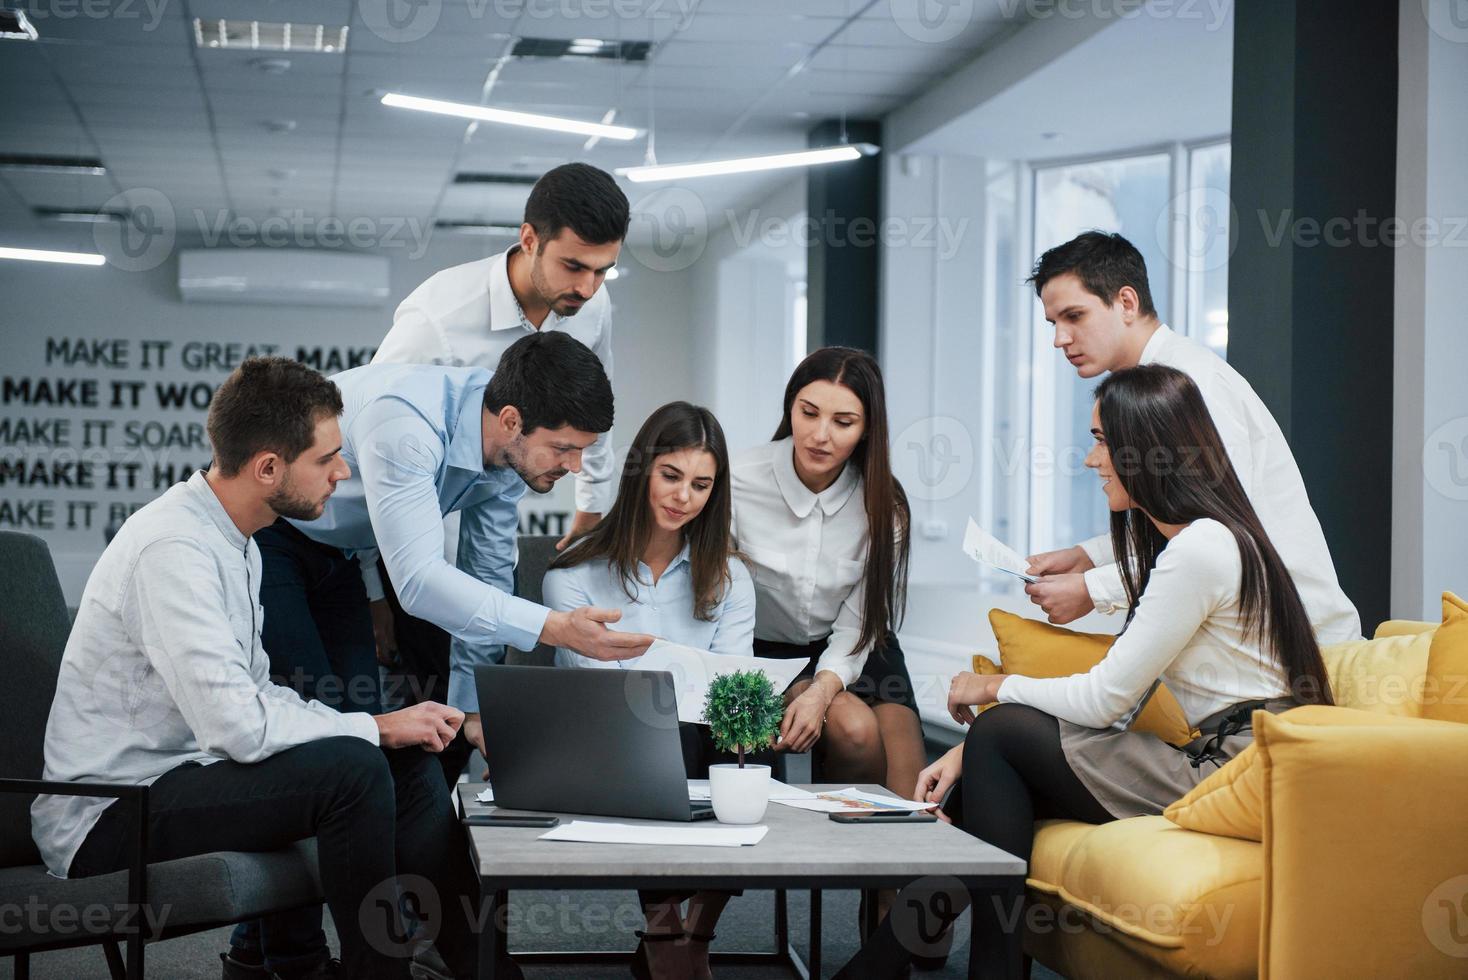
986 549
693 670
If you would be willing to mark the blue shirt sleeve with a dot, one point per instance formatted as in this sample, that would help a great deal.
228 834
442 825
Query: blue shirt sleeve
734 632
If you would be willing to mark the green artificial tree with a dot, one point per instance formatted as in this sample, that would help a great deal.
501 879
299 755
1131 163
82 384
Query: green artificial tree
743 711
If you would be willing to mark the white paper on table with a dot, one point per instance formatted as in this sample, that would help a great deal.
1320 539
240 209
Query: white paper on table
486 795
853 800
694 670
698 789
986 549
593 832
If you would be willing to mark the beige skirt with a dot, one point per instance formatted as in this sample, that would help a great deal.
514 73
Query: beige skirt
1134 774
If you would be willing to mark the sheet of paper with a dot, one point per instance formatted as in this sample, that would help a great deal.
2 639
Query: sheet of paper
486 795
662 834
853 800
698 789
986 549
693 670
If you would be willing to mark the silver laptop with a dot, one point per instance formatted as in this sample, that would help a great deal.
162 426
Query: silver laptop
577 740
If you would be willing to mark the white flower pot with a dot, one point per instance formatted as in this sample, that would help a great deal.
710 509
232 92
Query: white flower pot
739 795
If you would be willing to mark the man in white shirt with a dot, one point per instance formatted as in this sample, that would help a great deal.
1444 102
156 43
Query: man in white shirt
1094 290
551 279
165 682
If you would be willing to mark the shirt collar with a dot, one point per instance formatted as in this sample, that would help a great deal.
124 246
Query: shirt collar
683 557
505 312
466 444
1153 350
200 487
798 496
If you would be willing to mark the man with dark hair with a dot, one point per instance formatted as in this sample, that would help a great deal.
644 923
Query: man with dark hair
429 441
549 280
165 681
1094 290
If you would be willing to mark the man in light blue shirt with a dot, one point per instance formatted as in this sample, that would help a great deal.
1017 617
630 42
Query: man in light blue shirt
424 441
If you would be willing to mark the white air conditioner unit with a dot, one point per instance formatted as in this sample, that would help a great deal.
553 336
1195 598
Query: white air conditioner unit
282 276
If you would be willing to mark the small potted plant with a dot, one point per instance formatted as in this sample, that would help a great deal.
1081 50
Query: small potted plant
743 712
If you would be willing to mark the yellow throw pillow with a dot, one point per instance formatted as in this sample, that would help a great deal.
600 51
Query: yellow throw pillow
1445 696
1385 675
1230 802
1402 627
1035 649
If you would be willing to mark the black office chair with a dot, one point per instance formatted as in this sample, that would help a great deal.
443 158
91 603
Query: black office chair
536 553
198 893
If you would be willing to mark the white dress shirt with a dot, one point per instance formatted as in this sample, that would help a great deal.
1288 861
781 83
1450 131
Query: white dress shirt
808 551
468 316
663 609
1188 630
1266 467
164 666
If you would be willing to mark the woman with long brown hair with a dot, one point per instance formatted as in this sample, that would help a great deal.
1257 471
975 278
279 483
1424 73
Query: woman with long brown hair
663 555
1215 615
825 526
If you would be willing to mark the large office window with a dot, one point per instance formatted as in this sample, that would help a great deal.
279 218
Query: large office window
1208 228
1125 195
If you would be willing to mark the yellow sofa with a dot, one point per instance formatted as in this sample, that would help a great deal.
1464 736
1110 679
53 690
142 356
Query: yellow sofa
1362 872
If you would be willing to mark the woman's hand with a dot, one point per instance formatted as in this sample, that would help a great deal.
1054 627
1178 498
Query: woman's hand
934 782
804 717
968 690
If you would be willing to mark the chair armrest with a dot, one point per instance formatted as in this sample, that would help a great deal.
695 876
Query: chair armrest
1363 842
131 795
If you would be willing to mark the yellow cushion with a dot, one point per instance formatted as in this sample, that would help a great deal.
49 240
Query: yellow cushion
1178 897
1402 627
1445 696
1385 675
1035 649
1364 844
1230 802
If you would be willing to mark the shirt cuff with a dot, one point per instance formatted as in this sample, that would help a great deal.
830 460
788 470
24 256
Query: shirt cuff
1103 583
372 579
843 665
593 496
1098 549
521 623
362 725
463 692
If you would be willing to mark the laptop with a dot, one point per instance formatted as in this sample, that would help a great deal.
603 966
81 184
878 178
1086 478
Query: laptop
578 740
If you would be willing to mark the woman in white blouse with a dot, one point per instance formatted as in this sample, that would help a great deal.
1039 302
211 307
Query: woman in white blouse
663 556
825 524
1214 615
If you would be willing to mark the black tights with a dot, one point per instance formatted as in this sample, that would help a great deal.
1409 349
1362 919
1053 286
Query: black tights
1014 773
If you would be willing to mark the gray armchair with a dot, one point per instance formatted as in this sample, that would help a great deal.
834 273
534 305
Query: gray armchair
145 903
535 554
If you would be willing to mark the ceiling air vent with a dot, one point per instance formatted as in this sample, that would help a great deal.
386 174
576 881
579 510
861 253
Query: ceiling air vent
581 47
256 35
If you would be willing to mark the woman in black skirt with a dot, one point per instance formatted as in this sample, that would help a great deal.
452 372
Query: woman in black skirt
1214 615
825 524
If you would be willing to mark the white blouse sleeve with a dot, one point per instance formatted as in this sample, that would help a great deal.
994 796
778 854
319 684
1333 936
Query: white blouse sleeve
1196 573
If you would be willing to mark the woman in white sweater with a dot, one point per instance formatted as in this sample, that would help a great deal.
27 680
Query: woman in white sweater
1214 616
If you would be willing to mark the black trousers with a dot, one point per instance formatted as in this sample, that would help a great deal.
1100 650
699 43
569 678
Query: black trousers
384 827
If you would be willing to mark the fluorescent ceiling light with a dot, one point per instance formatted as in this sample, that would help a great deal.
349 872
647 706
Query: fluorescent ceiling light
745 165
530 119
477 228
28 163
613 273
16 26
43 255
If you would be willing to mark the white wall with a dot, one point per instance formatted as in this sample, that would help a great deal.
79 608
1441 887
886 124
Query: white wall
1430 401
651 356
